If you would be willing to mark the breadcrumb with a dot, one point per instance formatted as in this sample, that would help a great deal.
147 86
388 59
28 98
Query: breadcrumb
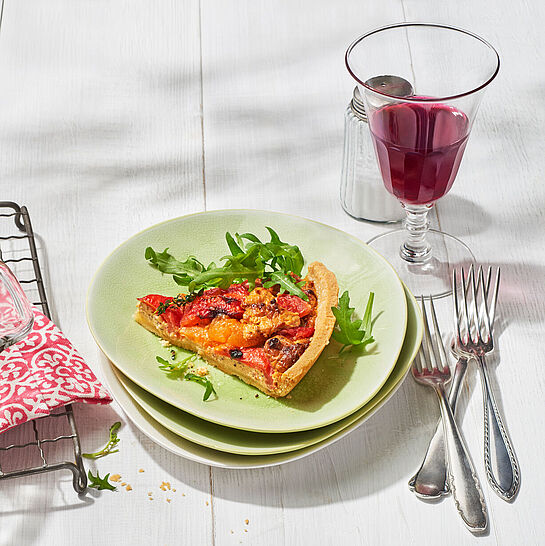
206 503
246 521
168 500
123 484
202 371
150 494
174 490
115 477
140 470
165 343
128 488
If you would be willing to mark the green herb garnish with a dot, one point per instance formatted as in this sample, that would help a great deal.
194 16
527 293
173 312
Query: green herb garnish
175 370
204 382
352 332
109 447
274 262
100 483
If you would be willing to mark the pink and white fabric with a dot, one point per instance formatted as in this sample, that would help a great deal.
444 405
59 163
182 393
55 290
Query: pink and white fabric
43 372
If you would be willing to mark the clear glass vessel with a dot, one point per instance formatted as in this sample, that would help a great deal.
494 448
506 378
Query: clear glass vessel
362 191
16 315
420 139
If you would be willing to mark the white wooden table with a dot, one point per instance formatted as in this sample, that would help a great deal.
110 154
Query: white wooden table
117 115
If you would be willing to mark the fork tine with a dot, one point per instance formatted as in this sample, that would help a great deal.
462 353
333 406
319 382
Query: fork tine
475 307
457 320
442 355
465 309
426 342
492 310
485 317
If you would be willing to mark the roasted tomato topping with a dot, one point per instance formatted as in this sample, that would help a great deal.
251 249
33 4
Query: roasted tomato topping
172 316
294 304
205 308
256 358
284 352
302 332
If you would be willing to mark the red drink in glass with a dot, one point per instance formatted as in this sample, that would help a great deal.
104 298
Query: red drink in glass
419 147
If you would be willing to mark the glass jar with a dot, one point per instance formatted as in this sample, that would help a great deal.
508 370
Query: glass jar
363 195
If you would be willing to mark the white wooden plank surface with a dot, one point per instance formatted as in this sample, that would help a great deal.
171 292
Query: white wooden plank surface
102 135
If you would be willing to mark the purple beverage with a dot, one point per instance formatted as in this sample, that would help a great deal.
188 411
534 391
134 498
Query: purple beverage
419 148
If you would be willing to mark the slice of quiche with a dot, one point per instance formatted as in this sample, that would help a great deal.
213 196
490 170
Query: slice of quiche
267 338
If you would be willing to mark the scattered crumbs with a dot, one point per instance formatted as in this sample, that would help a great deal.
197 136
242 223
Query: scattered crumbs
246 521
173 490
150 494
162 487
183 494
150 498
232 531
140 470
257 395
289 396
202 371
165 343
206 503
115 477
245 530
128 488
168 500
123 484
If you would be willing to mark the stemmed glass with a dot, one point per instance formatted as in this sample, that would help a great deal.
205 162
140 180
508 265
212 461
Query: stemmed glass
420 139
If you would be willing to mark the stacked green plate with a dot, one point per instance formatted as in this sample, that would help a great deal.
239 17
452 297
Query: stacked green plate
241 426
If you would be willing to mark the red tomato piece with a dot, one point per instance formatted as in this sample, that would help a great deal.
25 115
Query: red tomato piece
153 300
301 332
256 358
203 309
294 304
173 314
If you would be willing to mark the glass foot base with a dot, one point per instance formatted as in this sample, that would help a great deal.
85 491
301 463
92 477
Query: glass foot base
434 277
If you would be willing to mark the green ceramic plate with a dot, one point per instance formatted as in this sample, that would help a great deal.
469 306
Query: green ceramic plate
242 442
333 389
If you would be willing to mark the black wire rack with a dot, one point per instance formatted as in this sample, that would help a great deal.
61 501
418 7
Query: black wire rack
18 250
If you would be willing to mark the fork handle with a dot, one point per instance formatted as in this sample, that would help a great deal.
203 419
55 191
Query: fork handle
502 469
430 481
463 481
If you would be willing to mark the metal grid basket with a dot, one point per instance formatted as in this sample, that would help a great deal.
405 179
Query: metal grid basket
18 235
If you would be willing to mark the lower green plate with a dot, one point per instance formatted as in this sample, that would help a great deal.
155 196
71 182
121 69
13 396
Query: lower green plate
242 442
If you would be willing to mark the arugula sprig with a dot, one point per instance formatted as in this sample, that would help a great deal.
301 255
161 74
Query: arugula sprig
350 332
275 262
202 381
100 483
109 447
175 370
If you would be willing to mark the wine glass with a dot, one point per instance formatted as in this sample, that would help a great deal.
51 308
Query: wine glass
420 139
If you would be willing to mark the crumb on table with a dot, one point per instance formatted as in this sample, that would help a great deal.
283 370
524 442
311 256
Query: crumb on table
140 470
165 343
115 477
128 488
202 371
246 521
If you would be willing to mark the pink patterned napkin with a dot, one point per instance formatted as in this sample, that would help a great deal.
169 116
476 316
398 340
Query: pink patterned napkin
43 372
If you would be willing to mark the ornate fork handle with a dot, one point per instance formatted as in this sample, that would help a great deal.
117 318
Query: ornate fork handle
500 461
430 481
463 480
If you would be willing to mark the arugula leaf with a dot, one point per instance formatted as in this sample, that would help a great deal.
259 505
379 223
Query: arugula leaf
350 332
249 260
175 370
100 483
204 382
286 283
167 263
109 447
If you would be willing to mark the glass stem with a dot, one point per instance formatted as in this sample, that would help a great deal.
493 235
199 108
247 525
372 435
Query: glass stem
416 248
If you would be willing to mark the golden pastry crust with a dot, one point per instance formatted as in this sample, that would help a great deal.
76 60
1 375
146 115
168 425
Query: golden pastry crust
326 288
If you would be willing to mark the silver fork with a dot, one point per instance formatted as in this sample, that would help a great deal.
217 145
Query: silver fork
431 368
430 481
474 336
